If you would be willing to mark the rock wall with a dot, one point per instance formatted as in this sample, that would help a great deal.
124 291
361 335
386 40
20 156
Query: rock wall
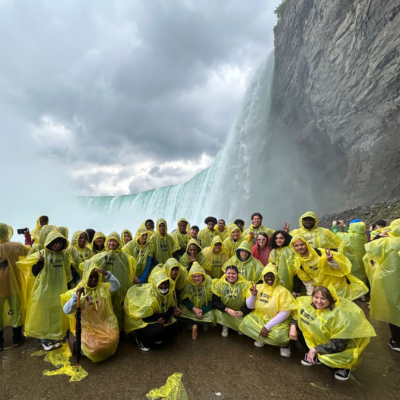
336 94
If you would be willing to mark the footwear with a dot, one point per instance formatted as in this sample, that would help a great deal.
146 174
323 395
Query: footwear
47 346
158 342
308 364
240 333
141 345
225 331
285 351
57 344
257 343
206 327
393 345
342 374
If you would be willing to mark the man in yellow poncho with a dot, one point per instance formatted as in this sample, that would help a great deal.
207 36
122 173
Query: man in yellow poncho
40 223
248 266
256 227
100 333
316 236
216 256
193 254
11 300
165 246
207 234
323 267
182 236
98 243
80 250
51 270
221 229
272 305
149 310
196 304
383 263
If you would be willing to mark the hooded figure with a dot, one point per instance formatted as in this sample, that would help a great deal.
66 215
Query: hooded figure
179 278
234 239
121 265
345 321
164 244
182 238
96 249
223 235
79 254
284 259
11 300
100 333
128 234
39 244
197 295
317 237
315 270
256 231
354 249
141 249
216 260
45 319
35 234
189 257
272 307
249 267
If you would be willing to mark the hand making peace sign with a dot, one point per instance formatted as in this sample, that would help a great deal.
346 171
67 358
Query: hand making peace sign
329 255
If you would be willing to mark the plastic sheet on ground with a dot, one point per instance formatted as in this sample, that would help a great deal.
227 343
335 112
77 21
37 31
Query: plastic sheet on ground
172 390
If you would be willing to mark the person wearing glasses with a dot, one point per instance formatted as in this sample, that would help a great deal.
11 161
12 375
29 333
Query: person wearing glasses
262 248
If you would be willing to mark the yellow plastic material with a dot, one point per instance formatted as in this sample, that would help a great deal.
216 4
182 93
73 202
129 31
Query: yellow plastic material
233 295
270 301
216 261
60 359
172 390
180 280
345 321
354 249
284 259
256 231
164 246
45 318
251 268
143 226
35 233
182 238
140 252
96 236
12 310
77 254
198 295
384 276
206 236
223 235
318 237
142 301
229 245
200 258
39 244
315 268
122 266
122 235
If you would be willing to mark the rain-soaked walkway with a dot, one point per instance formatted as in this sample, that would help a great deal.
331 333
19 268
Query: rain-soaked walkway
230 366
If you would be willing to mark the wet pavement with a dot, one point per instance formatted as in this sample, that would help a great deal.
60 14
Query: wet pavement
231 366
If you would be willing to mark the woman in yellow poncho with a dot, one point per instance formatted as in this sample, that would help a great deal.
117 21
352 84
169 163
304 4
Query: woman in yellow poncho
216 256
334 330
182 237
79 250
234 239
196 304
229 298
126 236
98 243
164 244
193 254
272 305
100 333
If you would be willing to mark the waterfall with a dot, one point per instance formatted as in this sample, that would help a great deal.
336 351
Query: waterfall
227 189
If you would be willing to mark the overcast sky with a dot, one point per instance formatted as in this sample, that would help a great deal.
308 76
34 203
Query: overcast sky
117 97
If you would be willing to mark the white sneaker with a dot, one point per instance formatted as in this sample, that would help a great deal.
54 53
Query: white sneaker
48 346
240 333
141 345
257 343
57 345
285 351
225 331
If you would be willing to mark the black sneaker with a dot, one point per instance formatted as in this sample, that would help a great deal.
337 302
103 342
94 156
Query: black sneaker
141 345
342 374
393 345
18 341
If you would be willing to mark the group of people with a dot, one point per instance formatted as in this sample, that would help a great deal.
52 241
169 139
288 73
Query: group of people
272 286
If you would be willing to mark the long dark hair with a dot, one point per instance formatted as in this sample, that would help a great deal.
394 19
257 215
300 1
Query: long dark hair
286 243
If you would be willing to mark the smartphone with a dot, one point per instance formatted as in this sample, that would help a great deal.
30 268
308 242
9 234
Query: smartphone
21 231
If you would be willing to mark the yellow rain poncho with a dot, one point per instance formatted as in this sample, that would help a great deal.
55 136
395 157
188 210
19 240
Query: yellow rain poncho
35 234
316 268
143 226
39 244
345 321
122 236
45 318
144 300
216 261
64 231
284 259
198 295
200 257
318 237
11 300
250 268
233 295
223 235
256 231
206 236
100 333
180 280
270 301
93 244
353 248
77 254
182 238
140 252
230 245
164 246
384 276
122 266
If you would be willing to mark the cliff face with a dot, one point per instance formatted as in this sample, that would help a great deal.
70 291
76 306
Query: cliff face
336 93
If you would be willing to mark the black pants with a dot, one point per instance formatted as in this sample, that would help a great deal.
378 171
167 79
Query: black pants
395 331
156 332
17 335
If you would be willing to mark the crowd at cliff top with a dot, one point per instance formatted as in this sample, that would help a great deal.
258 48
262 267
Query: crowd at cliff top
273 286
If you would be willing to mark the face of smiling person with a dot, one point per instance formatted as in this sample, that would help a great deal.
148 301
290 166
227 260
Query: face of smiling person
308 222
231 276
162 228
193 250
256 221
269 278
82 240
127 237
221 225
174 273
217 248
93 279
320 302
261 240
279 240
235 234
197 278
112 244
300 247
182 227
56 246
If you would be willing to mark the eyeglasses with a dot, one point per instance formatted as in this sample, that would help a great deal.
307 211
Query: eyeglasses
261 240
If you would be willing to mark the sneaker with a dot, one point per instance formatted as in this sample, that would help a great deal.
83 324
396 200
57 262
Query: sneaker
206 327
257 343
225 331
342 374
285 351
57 344
240 333
47 346
308 364
18 342
393 345
141 345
